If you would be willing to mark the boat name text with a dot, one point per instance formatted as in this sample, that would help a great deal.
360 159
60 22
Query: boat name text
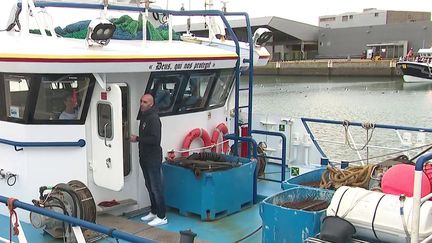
182 66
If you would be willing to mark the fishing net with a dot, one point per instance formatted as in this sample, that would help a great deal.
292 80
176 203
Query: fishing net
127 28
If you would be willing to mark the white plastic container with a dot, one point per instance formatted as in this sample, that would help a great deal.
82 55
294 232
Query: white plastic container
359 206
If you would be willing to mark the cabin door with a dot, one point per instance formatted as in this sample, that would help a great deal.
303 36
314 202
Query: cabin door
108 136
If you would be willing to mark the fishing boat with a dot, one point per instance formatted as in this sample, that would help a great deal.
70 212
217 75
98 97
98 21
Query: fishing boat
76 177
417 70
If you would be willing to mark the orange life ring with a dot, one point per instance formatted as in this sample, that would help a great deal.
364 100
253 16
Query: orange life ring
220 129
195 133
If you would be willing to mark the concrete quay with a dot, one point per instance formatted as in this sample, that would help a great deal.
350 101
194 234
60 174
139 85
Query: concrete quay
331 67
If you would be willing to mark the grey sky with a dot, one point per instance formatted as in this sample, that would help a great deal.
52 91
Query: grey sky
302 11
305 11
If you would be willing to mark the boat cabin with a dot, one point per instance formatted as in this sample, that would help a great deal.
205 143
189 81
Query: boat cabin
68 106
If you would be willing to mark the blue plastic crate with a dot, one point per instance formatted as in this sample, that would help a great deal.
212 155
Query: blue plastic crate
311 176
214 194
282 224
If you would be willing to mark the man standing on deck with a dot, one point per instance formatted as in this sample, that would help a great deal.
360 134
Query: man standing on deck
150 156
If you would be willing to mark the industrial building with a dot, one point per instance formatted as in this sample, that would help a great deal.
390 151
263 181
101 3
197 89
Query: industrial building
384 33
371 17
291 40
387 41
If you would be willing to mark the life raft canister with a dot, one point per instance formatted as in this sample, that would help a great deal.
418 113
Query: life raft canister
192 135
220 130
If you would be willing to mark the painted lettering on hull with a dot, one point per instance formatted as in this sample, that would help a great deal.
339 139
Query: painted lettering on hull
164 66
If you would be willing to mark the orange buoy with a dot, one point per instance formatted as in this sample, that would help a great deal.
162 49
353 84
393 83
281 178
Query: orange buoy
220 130
192 135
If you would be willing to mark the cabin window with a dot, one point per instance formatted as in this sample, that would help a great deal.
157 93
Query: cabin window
190 91
45 98
61 97
104 115
197 91
164 89
16 90
222 88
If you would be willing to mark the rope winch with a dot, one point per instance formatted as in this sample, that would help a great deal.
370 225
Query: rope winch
72 199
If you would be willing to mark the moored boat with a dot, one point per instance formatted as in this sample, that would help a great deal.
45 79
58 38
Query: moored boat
82 171
417 70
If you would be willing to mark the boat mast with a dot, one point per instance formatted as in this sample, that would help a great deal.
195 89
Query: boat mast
25 20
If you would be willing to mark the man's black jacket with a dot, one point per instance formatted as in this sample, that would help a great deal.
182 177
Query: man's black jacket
150 151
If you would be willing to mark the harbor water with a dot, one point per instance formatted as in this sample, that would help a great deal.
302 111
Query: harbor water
355 99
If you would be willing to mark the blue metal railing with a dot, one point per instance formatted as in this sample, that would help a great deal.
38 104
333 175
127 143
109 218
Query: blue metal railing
21 145
357 124
283 158
255 155
74 221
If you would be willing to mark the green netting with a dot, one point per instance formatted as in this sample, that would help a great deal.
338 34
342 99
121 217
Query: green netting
126 29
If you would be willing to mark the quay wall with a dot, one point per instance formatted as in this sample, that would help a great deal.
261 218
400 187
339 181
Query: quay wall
383 68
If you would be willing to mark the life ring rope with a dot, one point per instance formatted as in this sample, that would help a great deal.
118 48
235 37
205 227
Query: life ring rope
199 148
194 134
211 143
217 135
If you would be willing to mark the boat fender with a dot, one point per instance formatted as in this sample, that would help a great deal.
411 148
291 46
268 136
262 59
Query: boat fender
192 135
336 229
220 130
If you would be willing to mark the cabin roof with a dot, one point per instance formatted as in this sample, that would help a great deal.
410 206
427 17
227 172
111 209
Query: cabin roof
35 45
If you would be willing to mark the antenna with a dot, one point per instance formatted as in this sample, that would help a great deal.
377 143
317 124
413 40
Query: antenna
144 19
224 6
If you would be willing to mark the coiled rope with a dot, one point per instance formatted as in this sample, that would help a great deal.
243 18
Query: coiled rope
357 176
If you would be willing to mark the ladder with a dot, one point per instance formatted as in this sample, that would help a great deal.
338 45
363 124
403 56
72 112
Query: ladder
249 89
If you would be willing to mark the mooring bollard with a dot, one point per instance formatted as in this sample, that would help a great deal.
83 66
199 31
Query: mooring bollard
187 236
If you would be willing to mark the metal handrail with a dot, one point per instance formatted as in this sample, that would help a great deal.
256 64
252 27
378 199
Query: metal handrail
112 232
359 124
417 195
284 143
16 144
356 124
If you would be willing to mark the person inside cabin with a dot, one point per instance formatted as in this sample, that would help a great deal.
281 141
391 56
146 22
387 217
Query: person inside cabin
163 97
150 158
70 112
194 98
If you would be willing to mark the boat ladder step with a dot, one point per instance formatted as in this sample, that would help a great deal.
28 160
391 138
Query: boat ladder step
118 205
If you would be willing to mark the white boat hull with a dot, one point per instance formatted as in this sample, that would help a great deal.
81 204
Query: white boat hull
414 79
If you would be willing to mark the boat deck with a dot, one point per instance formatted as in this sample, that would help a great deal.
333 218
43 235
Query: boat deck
231 228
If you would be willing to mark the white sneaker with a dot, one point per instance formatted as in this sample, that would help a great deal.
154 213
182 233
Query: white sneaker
158 221
148 217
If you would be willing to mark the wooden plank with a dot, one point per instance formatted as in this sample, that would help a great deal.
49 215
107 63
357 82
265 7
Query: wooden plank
140 229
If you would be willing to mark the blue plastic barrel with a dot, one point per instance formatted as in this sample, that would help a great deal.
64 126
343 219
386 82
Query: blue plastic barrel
281 224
